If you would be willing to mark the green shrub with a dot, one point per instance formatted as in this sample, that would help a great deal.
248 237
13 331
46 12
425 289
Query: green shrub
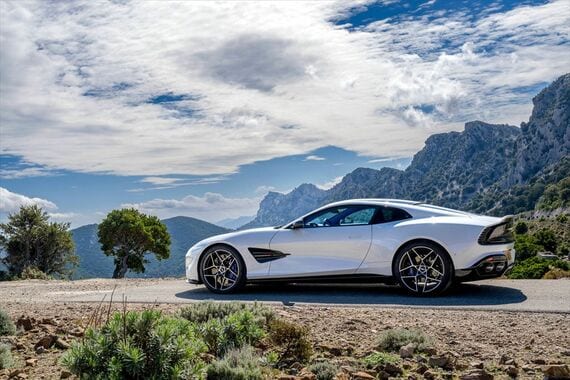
547 239
521 228
33 273
393 339
6 325
536 267
6 360
204 311
136 345
324 370
380 358
240 364
292 340
231 332
526 246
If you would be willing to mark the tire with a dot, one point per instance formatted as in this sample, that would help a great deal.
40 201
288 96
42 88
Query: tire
222 269
423 269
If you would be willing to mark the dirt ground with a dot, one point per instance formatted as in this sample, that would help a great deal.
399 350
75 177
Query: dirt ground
532 340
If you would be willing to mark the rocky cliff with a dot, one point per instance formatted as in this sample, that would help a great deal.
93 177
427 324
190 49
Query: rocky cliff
475 169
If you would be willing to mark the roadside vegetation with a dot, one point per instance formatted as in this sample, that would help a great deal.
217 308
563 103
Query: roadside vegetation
542 235
34 247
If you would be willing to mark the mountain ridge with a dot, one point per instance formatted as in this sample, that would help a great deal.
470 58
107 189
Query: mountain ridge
454 169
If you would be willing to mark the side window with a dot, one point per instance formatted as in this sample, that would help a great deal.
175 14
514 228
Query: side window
390 214
358 217
323 218
341 216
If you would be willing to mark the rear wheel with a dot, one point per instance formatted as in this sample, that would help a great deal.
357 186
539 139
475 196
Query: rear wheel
423 269
222 270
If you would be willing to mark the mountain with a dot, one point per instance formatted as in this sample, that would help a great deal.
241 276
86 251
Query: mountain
476 169
234 223
184 232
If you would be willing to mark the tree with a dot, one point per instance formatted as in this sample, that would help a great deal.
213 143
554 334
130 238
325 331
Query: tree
129 235
30 240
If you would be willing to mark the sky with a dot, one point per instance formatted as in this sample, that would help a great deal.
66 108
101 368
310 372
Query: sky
201 108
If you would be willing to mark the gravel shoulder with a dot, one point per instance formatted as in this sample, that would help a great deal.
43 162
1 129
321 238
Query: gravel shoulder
532 340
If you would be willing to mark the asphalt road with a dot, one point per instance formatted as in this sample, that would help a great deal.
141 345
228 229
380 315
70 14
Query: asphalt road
508 295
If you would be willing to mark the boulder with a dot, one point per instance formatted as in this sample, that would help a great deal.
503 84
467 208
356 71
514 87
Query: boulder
477 374
408 350
360 375
556 371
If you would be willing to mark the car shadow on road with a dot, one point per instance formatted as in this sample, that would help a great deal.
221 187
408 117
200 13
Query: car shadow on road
470 294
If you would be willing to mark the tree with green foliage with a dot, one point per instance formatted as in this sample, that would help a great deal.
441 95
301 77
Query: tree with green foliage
30 240
521 228
547 239
526 247
129 235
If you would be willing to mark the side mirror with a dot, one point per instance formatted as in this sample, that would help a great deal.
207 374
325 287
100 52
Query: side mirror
298 224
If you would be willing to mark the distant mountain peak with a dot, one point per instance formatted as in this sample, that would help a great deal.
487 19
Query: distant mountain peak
453 167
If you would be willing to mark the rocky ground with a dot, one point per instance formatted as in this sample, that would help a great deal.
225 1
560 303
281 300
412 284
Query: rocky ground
468 344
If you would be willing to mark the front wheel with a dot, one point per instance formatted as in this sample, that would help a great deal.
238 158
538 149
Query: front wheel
423 269
222 270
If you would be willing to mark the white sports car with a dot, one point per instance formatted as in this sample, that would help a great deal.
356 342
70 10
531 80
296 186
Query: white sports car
422 247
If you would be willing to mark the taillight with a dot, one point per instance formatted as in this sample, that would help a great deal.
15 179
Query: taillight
501 233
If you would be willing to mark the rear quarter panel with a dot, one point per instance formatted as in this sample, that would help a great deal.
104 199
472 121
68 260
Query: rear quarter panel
457 235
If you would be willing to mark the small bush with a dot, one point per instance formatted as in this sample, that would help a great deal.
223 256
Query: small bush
233 331
324 370
556 273
292 341
393 339
6 360
6 325
240 364
536 267
205 311
136 345
33 273
380 358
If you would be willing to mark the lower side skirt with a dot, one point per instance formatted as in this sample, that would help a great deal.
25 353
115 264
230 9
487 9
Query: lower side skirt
329 279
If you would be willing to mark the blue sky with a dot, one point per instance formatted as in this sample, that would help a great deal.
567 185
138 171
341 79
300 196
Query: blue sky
199 109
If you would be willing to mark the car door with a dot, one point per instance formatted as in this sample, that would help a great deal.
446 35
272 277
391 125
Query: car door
333 241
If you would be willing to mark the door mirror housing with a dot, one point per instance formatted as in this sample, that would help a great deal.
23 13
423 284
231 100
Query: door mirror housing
297 224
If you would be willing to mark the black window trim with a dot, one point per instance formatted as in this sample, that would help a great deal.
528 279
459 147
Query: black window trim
373 220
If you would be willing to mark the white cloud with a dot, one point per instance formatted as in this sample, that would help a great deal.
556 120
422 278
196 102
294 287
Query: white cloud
25 173
160 180
314 158
11 202
272 79
211 207
330 184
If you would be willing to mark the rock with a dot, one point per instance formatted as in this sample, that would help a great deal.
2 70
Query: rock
504 359
26 323
565 353
429 375
65 374
46 342
556 371
441 361
77 331
512 371
31 362
15 373
286 377
306 375
429 351
393 369
335 351
422 368
360 375
383 375
477 374
408 350
61 344
539 361
40 350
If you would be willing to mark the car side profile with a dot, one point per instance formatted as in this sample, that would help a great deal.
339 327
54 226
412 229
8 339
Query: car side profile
421 247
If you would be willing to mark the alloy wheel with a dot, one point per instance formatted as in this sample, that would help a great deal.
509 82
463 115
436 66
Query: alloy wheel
421 269
220 270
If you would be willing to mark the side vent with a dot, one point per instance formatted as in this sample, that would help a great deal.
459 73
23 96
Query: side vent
263 255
